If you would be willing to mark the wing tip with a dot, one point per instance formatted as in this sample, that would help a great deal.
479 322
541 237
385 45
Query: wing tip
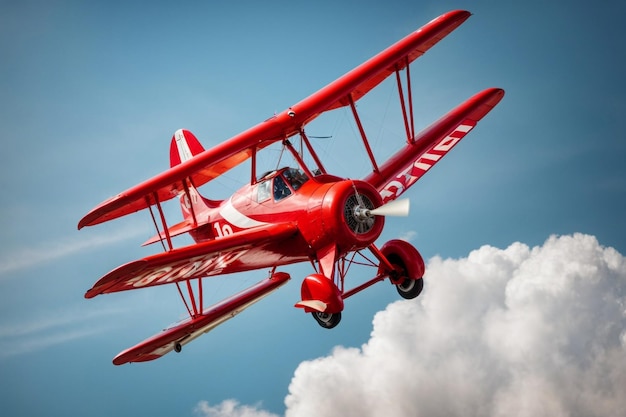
98 213
104 284
123 358
87 220
455 15
82 223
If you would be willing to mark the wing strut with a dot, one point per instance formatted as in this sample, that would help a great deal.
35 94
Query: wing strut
163 222
188 195
184 299
253 177
196 307
363 136
287 144
317 160
408 125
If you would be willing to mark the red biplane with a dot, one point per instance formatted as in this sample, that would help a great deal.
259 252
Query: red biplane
293 214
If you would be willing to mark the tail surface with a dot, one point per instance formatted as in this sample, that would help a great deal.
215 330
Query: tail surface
196 209
183 147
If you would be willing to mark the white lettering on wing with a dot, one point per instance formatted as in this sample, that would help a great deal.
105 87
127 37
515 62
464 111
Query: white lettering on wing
198 266
408 177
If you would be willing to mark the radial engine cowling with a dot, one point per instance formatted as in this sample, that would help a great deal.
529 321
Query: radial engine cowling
336 216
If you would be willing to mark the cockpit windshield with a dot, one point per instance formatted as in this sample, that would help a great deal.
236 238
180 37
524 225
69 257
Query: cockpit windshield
280 186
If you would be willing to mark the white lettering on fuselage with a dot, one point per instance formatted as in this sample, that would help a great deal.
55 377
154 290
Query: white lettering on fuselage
394 188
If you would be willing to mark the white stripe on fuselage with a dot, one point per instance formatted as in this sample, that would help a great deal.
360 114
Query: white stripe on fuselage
234 217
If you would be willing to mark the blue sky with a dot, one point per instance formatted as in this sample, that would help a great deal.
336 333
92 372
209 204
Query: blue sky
91 93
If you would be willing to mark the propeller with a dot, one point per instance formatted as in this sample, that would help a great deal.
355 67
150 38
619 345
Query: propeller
398 208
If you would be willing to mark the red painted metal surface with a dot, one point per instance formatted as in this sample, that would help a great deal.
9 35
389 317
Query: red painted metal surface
215 161
318 287
409 164
252 249
184 332
286 216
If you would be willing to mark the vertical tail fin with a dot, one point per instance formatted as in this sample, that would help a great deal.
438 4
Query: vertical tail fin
196 209
183 147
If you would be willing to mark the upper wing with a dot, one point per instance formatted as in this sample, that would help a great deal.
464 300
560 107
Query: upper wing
213 162
186 331
408 165
242 251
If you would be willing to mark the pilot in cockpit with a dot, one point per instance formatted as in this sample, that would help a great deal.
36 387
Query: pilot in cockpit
295 177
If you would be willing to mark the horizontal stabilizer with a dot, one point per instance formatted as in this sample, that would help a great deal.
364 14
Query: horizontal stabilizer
184 332
176 230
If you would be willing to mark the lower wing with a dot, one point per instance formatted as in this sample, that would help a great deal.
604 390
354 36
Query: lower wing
184 332
242 251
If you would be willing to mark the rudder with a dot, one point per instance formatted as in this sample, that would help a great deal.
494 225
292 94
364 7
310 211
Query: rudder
183 147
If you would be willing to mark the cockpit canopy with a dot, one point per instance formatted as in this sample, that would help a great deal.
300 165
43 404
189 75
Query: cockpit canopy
280 184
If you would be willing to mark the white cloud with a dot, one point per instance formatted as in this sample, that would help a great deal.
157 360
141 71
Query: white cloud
408 235
229 408
518 331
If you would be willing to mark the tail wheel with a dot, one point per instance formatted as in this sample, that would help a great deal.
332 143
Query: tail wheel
327 320
410 288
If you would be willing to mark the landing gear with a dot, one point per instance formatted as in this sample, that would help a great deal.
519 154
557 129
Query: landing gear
178 347
407 287
410 288
327 320
408 268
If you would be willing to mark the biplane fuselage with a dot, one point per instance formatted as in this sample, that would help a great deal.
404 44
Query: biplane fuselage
293 214
322 207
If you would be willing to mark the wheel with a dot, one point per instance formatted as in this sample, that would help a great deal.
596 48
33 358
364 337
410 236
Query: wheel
327 320
410 288
178 347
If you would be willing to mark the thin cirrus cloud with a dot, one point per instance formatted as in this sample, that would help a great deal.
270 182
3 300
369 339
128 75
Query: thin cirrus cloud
28 257
39 333
518 331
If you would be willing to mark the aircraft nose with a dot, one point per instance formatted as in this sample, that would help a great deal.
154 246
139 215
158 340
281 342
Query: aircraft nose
355 213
